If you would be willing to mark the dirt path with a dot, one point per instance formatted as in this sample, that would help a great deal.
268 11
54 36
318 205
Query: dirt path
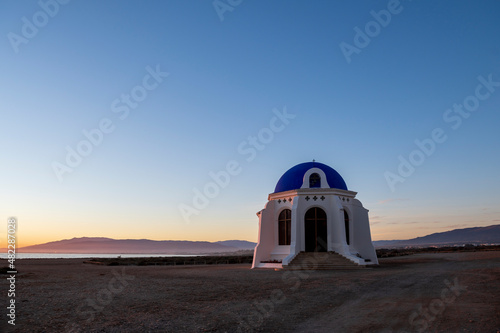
455 292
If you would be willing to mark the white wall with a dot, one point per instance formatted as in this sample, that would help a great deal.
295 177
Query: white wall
360 236
265 243
362 239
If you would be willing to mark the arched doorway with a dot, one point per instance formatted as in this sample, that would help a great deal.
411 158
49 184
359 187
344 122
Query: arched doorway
315 230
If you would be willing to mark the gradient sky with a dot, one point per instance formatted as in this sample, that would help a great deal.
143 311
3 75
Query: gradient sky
225 79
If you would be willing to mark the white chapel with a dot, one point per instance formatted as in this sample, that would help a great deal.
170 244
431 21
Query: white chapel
312 211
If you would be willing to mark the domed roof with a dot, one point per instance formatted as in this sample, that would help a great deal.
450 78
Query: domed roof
294 177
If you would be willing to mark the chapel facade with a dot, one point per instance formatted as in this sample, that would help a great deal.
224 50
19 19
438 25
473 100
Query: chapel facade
311 210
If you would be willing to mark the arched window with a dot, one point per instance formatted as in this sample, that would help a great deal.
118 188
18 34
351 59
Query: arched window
285 227
314 180
346 221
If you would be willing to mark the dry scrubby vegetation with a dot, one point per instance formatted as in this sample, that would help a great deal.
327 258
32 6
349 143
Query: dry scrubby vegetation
245 258
174 261
385 253
4 270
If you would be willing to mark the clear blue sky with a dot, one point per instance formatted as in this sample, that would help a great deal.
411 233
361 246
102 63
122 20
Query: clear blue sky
225 79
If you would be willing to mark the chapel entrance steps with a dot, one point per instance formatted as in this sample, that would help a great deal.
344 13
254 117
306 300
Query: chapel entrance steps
321 261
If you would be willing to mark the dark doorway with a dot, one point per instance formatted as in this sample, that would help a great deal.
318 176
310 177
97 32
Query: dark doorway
315 230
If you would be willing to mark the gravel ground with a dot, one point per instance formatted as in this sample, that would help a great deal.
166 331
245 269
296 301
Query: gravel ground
441 292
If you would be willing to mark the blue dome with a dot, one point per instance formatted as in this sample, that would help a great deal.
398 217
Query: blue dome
294 177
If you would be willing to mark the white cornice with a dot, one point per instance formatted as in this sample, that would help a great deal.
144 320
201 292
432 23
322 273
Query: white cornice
311 191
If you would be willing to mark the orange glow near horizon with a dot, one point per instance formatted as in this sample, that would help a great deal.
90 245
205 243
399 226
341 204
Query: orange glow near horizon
35 236
384 224
379 232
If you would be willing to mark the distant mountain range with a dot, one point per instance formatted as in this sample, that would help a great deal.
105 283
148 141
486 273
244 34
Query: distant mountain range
96 245
93 245
476 236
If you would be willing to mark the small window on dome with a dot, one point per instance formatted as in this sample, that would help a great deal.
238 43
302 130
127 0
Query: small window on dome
314 180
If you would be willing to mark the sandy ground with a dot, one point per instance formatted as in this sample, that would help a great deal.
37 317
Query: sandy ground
445 292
